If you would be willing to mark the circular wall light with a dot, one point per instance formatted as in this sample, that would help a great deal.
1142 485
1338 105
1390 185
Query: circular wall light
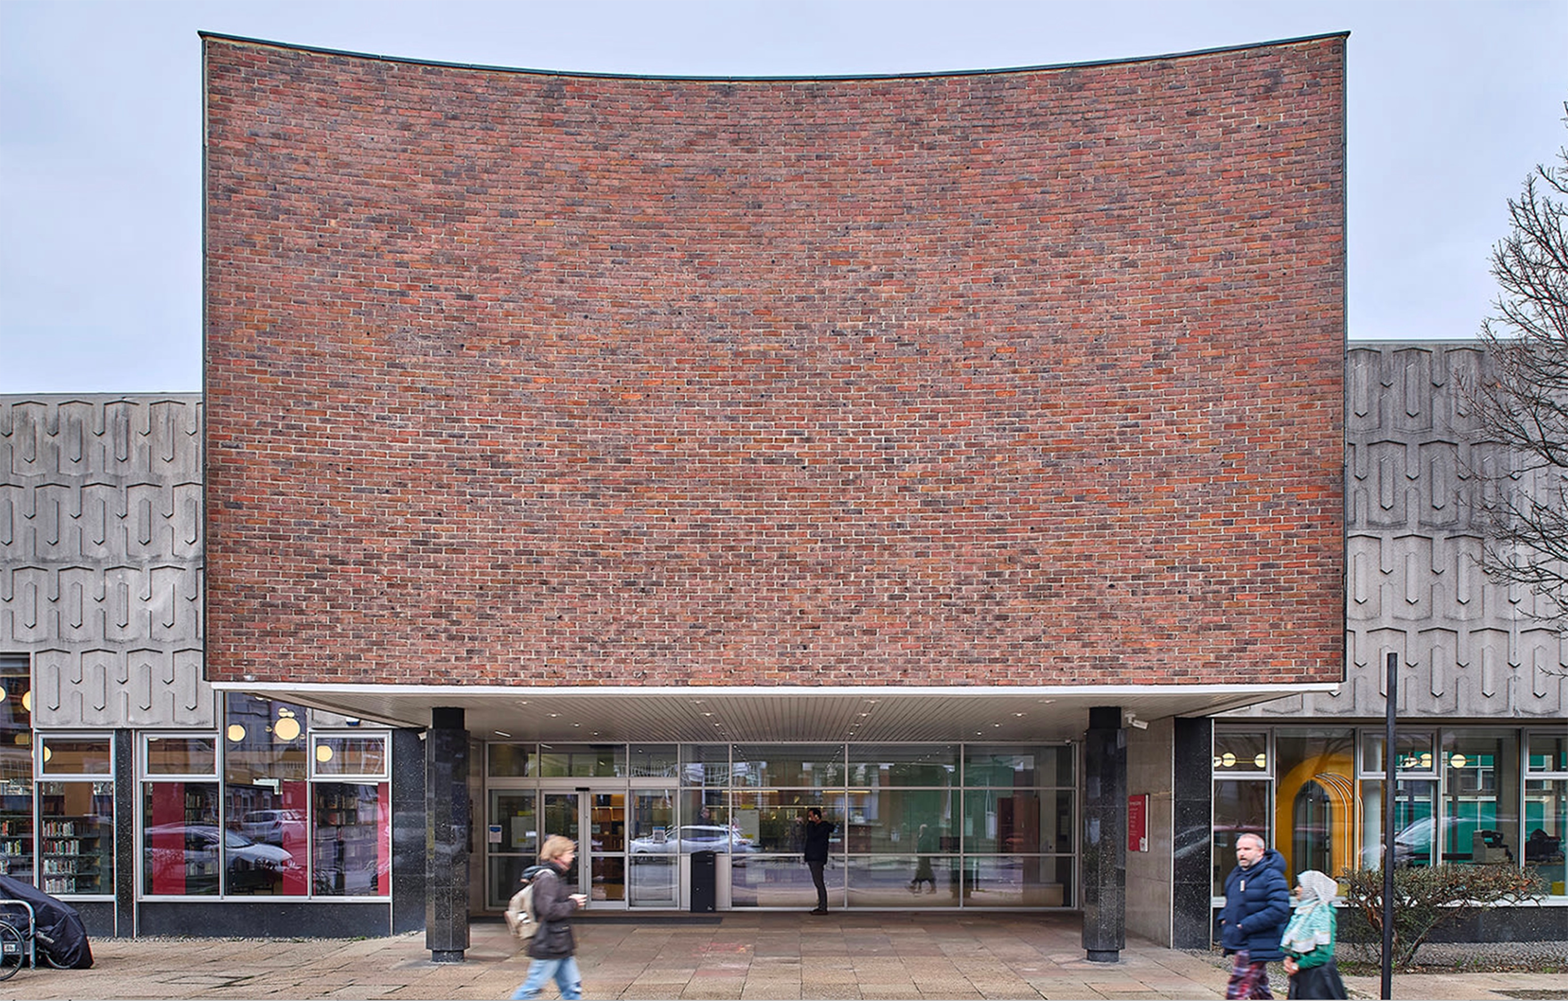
236 733
323 753
286 728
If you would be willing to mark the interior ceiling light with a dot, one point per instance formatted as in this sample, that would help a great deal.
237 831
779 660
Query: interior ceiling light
236 733
502 733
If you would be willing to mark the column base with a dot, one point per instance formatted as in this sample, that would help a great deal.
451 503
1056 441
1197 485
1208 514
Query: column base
446 955
1105 955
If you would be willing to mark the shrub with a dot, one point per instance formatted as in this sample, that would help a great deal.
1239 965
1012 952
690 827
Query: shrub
1427 897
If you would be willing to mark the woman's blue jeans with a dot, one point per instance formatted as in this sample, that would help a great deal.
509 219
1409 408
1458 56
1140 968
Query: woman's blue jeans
567 978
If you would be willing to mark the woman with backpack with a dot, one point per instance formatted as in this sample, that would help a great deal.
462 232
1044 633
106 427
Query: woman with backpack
552 946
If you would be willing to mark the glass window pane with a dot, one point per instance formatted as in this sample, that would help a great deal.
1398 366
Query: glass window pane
659 761
351 755
16 811
514 811
900 821
652 822
182 844
1237 752
16 768
76 755
1415 802
883 765
1548 752
267 796
774 820
1240 807
76 825
352 839
890 881
705 822
705 765
582 760
760 881
1480 796
1315 798
182 756
1017 821
509 761
1546 820
1415 752
789 765
1017 881
1017 767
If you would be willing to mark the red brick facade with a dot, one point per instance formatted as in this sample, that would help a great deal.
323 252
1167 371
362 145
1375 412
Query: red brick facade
1003 378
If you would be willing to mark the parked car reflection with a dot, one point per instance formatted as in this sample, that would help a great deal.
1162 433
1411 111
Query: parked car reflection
694 838
251 866
274 827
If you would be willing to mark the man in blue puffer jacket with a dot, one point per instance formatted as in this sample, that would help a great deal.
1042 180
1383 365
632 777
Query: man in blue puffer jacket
1257 905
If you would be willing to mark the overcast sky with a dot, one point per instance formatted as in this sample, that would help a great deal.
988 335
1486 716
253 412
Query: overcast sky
1450 106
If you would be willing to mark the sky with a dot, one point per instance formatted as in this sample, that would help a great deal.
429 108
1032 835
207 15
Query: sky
1451 105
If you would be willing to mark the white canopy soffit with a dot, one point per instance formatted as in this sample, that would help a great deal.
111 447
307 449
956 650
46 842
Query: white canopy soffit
719 714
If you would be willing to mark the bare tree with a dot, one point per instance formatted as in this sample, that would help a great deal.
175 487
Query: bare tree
1521 400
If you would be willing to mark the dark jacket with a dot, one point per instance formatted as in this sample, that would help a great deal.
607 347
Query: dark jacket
1257 905
553 906
817 841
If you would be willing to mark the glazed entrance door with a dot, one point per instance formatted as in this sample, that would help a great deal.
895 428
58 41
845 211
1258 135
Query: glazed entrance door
596 820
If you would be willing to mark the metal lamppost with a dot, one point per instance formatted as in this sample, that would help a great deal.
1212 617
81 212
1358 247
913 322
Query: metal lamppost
1390 778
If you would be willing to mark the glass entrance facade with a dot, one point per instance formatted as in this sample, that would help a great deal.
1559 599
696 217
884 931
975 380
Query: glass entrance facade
915 825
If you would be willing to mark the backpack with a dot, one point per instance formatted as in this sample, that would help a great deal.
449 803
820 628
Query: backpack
520 916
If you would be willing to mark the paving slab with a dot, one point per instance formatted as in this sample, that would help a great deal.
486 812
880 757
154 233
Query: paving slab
769 956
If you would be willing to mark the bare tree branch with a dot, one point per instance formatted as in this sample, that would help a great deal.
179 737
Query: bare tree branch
1520 399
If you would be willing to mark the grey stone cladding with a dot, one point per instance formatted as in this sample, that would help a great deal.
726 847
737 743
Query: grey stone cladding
101 556
1413 500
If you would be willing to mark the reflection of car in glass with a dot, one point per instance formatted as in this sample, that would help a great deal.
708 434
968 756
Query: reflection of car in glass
251 865
1413 844
273 826
694 838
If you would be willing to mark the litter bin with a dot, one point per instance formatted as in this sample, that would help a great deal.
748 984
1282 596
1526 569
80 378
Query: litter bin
704 881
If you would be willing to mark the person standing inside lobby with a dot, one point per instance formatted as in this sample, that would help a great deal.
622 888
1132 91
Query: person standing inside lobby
818 831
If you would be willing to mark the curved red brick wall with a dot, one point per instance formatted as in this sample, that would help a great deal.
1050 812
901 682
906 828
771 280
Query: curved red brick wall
1006 378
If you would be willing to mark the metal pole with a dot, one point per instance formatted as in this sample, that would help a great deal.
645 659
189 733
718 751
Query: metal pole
1390 780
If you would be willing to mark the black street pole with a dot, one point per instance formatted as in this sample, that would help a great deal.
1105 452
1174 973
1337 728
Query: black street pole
1390 777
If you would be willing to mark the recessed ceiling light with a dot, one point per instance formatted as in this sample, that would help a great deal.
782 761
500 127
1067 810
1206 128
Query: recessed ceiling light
1018 714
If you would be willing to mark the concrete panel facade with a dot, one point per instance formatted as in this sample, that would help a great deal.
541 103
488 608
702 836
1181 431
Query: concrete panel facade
1414 501
101 552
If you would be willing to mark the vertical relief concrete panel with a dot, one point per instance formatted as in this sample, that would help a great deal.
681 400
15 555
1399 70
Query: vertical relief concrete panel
1417 496
101 554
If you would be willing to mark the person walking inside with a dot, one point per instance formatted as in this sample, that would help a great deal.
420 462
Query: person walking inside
817 833
552 948
1257 905
925 844
1308 940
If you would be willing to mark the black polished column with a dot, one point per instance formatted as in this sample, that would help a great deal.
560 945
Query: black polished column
446 855
127 863
1192 918
408 831
1105 836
